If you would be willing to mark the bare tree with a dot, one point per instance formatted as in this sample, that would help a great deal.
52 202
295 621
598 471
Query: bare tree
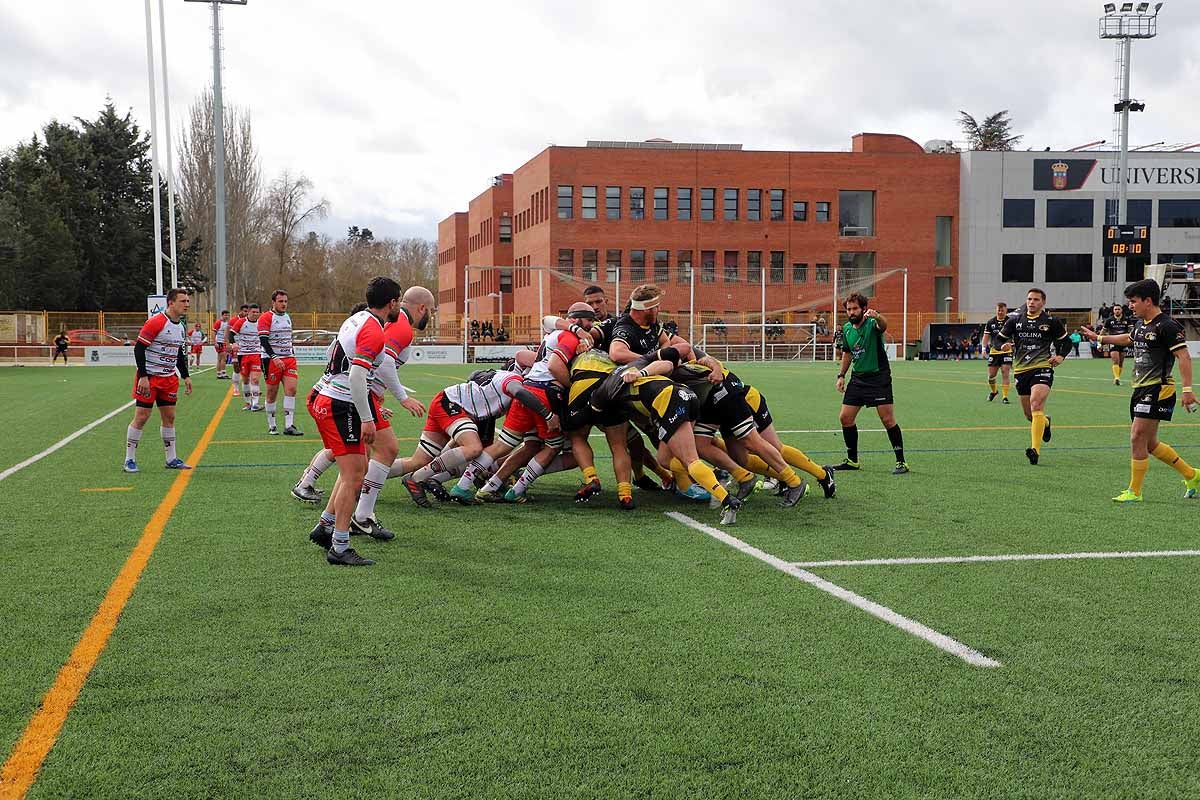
286 209
243 192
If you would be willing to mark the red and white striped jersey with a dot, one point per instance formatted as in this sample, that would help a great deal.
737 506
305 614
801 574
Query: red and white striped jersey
486 393
245 336
397 342
163 339
564 343
278 328
220 329
360 341
196 336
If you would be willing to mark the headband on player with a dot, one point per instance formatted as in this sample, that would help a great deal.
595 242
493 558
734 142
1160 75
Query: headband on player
645 305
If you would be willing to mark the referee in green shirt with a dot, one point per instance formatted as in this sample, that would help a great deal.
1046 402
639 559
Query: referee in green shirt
864 357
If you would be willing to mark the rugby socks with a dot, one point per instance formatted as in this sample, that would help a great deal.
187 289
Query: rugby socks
589 475
168 437
289 410
788 475
683 480
992 385
850 436
270 414
624 491
327 518
322 461
1116 377
1004 390
132 437
1166 454
703 474
479 467
447 461
255 395
1037 428
897 440
557 464
533 470
494 483
341 541
741 475
1137 470
797 459
372 485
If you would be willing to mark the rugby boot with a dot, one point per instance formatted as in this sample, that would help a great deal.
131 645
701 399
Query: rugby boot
511 496
306 494
729 510
794 494
464 497
347 558
371 527
1191 486
992 396
1046 433
745 488
900 469
484 496
1127 496
292 430
272 431
322 535
417 492
625 503
177 463
848 465
647 483
827 484
437 490
131 465
1032 455
587 491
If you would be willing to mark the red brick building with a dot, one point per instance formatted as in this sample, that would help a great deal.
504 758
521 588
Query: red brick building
744 224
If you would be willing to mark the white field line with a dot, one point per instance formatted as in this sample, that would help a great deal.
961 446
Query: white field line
878 562
61 443
939 640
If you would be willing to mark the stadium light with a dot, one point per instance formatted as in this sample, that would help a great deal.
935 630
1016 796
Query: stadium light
1126 8
1142 8
1110 8
1157 8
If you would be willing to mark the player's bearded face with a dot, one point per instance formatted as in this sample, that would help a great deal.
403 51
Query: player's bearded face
423 322
393 312
855 313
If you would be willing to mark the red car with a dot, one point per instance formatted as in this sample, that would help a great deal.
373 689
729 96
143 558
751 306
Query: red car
91 336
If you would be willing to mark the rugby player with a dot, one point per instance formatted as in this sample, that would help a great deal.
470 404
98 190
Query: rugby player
998 360
279 363
1113 328
346 414
196 339
220 334
248 349
1039 343
231 354
61 343
870 382
1158 342
159 353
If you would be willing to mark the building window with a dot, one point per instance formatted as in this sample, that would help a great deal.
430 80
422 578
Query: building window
565 201
822 275
731 266
588 199
506 280
822 211
660 202
1016 268
754 266
754 204
708 266
731 205
1177 258
566 262
683 204
1179 213
708 201
1069 214
1110 269
506 229
612 266
637 202
856 272
799 273
1018 213
612 202
637 266
776 266
662 269
1068 268
683 266
1141 212
942 229
1135 267
777 205
590 266
856 213
799 211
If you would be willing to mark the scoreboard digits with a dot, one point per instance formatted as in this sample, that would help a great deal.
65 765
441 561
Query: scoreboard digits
1126 240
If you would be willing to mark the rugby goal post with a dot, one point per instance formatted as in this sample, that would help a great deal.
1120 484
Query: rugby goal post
776 341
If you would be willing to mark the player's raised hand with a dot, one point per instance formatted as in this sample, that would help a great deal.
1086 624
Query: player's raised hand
414 406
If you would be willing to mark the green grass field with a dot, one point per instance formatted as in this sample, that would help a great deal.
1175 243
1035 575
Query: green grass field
553 651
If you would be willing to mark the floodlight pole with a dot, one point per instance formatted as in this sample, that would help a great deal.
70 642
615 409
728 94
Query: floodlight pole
1123 185
762 318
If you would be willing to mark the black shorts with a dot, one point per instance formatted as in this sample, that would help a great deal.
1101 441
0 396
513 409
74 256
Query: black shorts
870 390
758 407
1156 401
681 406
1033 377
726 410
1116 348
999 359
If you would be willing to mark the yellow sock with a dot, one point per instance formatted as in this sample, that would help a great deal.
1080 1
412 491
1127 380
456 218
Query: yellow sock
1037 429
800 461
624 490
741 475
702 473
758 466
1116 372
589 475
1166 454
992 384
1004 390
679 472
1137 474
789 477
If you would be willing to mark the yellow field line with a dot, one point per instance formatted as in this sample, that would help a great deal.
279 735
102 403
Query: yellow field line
39 736
110 489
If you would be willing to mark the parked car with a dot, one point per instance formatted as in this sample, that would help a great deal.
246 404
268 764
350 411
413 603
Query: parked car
316 338
81 337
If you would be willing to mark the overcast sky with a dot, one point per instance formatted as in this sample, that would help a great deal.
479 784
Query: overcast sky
400 112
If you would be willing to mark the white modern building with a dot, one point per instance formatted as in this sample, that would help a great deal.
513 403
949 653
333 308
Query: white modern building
1037 219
